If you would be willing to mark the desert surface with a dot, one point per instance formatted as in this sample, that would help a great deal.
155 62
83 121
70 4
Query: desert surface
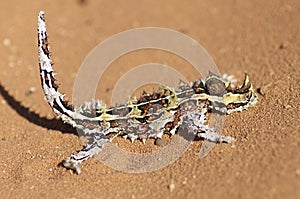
261 38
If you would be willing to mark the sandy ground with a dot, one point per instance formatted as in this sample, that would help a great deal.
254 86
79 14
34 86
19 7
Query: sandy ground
261 39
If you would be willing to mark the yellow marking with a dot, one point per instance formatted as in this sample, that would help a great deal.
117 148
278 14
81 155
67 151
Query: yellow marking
227 98
171 96
135 112
104 116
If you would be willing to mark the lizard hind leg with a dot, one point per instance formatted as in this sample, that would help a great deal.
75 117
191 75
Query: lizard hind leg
95 146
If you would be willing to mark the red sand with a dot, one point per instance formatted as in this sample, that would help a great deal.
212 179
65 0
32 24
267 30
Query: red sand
261 39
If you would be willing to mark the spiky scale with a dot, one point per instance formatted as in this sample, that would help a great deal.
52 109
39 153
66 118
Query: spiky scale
151 115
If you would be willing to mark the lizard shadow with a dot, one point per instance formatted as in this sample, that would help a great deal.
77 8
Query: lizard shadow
53 124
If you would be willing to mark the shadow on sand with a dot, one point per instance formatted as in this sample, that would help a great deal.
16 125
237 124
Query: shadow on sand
53 124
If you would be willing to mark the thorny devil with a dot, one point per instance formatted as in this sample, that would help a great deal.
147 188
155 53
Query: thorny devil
149 116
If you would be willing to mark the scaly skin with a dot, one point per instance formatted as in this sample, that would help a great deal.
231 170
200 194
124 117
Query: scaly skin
149 116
